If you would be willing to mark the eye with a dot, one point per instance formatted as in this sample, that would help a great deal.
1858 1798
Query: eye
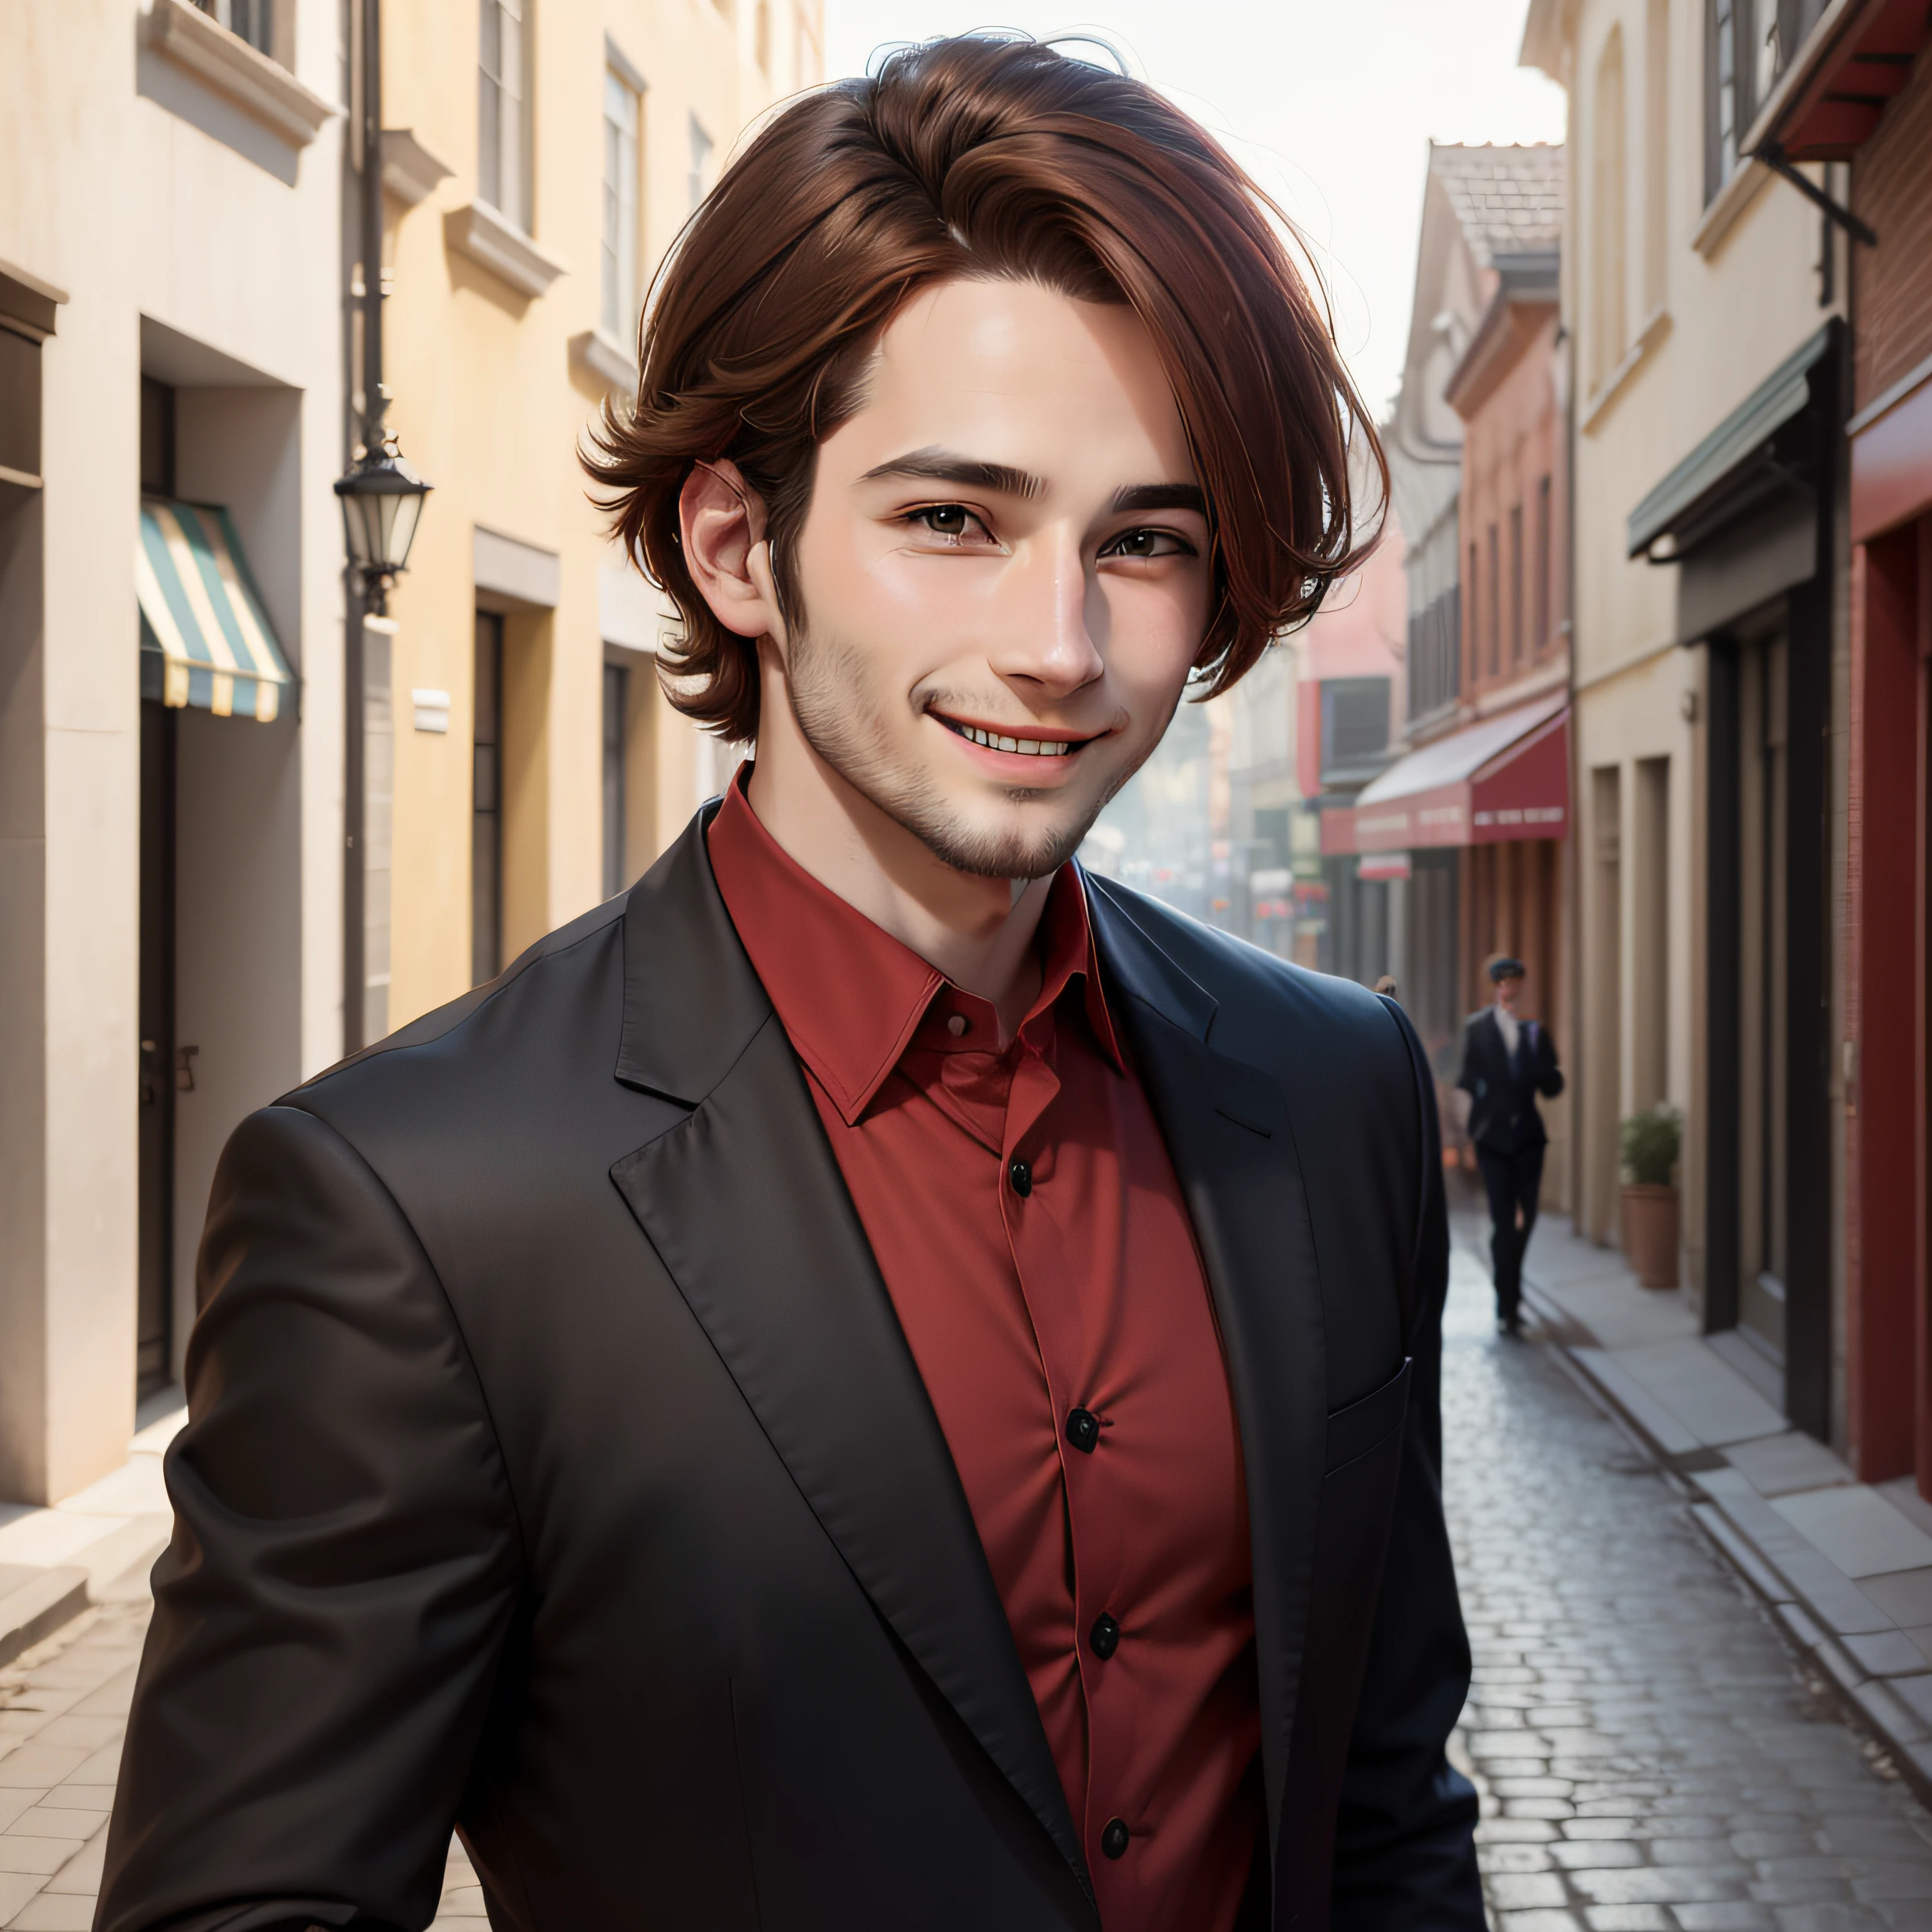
1147 544
952 523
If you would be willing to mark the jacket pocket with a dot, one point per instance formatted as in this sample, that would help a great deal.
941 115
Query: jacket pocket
1365 1425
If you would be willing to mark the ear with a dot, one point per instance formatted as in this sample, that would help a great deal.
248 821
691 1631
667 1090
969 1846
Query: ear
721 520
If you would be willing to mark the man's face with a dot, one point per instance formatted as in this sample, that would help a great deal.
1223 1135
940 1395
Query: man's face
1004 574
1507 990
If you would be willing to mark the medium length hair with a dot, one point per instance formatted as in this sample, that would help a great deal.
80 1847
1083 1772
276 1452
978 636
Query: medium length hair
979 158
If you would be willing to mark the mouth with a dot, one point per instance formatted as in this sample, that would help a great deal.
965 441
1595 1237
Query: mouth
1036 744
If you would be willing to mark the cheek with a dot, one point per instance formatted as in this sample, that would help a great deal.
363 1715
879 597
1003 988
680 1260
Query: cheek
1155 631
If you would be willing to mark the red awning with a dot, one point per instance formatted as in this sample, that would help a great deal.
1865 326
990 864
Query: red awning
1502 779
1828 103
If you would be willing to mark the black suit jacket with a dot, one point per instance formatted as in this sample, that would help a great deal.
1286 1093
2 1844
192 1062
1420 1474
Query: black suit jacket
1504 1116
556 1468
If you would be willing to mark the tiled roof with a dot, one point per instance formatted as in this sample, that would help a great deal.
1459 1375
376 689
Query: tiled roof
1509 200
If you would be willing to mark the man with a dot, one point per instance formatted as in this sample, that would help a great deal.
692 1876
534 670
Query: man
1507 1061
866 1384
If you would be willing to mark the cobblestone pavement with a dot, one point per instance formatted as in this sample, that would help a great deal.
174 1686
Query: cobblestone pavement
1650 1759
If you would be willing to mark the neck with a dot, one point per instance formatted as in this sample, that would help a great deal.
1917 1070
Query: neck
978 932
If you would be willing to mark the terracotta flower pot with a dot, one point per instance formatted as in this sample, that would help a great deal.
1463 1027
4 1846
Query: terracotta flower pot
1650 1234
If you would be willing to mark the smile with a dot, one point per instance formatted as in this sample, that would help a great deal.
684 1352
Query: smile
1027 747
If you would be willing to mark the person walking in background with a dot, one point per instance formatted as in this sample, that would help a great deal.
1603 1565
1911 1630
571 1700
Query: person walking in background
1506 1063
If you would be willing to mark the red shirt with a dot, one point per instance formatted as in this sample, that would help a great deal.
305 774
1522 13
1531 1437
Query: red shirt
1026 1218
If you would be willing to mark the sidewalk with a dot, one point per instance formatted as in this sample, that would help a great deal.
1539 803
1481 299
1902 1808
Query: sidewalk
96 1547
1845 1567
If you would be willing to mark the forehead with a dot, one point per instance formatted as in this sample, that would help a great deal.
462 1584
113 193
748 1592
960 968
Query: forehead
1012 371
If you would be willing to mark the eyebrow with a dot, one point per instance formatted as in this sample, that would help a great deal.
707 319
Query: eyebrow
934 465
943 466
1162 496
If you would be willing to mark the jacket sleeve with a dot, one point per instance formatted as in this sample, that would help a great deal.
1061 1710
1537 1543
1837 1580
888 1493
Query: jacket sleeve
1548 1075
1466 1076
1405 1847
345 1566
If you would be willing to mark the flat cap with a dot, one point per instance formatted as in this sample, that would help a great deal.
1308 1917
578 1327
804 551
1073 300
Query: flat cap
1507 968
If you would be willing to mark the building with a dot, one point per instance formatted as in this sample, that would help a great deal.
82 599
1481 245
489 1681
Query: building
1350 699
1703 298
1475 811
540 161
171 654
1856 97
189 878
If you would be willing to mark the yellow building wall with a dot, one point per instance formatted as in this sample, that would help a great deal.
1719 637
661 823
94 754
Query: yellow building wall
490 406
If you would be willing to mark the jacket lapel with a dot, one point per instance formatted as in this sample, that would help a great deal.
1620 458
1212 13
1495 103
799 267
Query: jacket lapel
1227 1131
743 1202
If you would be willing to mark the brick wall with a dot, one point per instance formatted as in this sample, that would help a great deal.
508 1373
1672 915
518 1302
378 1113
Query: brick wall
1892 283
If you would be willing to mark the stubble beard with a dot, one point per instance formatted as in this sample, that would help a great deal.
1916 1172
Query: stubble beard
826 683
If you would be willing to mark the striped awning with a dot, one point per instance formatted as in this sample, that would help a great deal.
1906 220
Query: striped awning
205 639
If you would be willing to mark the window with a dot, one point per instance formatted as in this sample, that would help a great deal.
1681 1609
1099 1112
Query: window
1747 44
1354 725
251 20
701 146
621 114
1722 101
616 702
486 823
1475 610
1515 584
503 109
1540 594
1493 599
1608 215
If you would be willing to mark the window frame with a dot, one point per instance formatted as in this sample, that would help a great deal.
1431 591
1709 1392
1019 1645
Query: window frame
499 112
619 249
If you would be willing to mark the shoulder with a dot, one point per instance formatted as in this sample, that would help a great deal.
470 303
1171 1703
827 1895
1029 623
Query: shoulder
509 1025
1264 1010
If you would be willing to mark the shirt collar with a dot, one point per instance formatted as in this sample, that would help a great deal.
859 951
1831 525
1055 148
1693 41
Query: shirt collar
849 995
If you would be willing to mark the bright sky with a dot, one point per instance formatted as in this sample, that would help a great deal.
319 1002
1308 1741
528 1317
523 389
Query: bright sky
1330 104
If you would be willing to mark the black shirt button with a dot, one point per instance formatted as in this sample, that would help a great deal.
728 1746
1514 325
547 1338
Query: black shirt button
1083 1430
1113 1839
1105 1637
1020 1175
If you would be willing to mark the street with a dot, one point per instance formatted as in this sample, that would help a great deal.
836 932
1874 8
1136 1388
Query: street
1650 1759
1648 1754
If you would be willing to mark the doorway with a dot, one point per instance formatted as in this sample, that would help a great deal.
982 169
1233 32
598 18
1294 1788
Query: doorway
154 1351
486 828
1764 1005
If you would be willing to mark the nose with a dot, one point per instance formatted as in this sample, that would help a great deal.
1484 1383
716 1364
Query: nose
1057 620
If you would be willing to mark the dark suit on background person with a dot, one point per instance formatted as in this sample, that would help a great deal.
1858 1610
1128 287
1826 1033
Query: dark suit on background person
557 1469
1507 1127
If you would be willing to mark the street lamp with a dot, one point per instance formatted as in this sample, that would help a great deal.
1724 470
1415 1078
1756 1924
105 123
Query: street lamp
381 501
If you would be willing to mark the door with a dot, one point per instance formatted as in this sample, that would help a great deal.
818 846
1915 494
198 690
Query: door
154 1357
1764 1008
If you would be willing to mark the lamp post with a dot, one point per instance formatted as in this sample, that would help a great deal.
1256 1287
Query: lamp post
381 499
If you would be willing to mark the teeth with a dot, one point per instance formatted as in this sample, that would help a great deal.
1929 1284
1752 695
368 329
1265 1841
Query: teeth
994 741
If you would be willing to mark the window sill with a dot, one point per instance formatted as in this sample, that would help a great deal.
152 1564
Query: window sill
480 232
604 360
1731 200
1649 340
410 171
228 63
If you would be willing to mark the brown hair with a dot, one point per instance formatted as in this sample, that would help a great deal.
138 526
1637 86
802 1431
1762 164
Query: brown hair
977 158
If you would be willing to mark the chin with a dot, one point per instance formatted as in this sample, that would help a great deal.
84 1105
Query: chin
989 848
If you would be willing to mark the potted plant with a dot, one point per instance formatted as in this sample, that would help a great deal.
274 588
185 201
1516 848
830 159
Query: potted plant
1651 1141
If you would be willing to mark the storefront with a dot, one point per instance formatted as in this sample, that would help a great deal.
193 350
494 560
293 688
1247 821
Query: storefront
1861 93
1478 822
